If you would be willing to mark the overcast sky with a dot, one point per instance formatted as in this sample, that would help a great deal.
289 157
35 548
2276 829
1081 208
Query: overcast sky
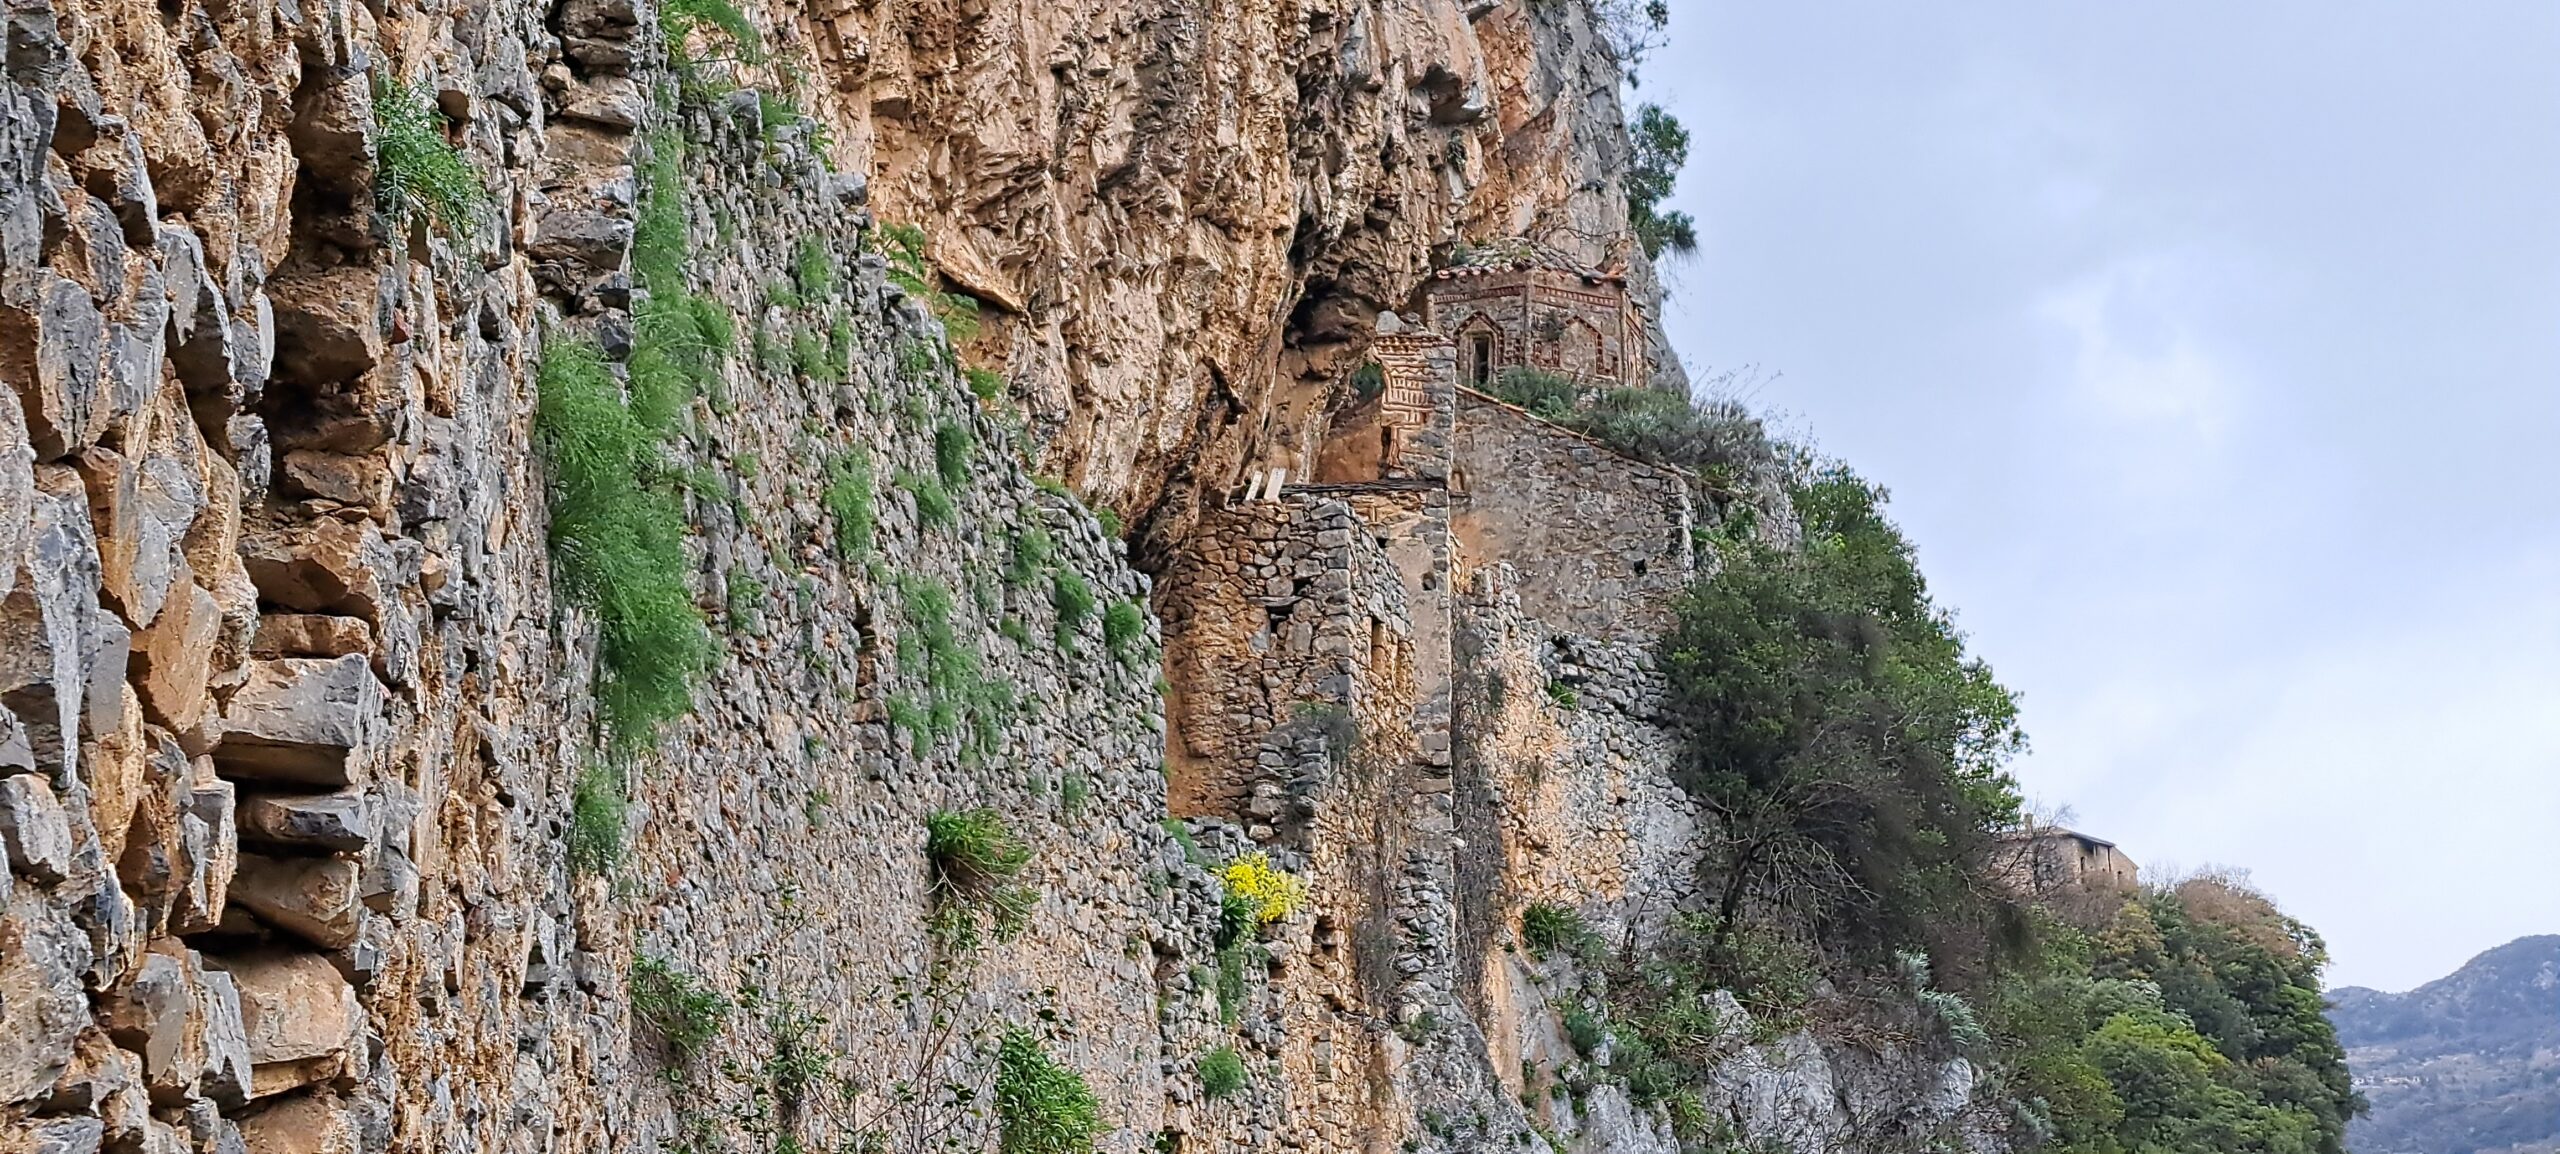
2211 352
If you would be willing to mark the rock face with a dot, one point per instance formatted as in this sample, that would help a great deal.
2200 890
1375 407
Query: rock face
2463 1063
1183 223
316 839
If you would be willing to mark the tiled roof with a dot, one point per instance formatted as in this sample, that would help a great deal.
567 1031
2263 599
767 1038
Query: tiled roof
1520 254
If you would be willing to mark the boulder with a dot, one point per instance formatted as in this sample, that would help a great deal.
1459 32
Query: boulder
40 984
17 492
36 829
66 405
315 1123
149 1014
327 821
300 1019
212 853
316 899
66 1136
46 622
311 635
137 551
302 719
327 566
360 480
173 659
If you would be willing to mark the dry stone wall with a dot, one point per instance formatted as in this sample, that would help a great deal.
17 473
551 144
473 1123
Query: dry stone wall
315 839
1602 542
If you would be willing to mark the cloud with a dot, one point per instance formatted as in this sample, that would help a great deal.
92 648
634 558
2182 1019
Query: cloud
2134 358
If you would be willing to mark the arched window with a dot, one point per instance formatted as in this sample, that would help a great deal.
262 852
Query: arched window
1480 358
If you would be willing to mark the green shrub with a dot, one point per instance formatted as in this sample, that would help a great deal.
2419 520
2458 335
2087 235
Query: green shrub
914 274
1074 602
1124 625
417 171
913 719
809 357
1713 442
972 851
974 860
1222 1073
659 236
1775 655
746 599
597 814
1563 695
916 363
985 384
682 18
1661 147
1238 914
952 444
1547 928
1109 518
813 271
1585 1030
847 499
799 1062
686 1013
1231 983
934 505
617 540
1042 1107
1030 556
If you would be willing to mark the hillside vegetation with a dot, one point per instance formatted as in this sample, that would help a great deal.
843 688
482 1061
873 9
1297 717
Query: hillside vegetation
2466 1064
1853 752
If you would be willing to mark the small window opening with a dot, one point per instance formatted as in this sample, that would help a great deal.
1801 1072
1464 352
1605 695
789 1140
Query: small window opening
1480 359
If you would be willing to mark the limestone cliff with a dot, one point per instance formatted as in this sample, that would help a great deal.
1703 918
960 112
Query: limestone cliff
317 833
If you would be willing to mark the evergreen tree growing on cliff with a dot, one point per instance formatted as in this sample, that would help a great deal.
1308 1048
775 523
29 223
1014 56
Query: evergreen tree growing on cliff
1660 146
1848 746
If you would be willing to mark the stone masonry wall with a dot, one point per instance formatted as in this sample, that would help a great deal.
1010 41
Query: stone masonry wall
1601 542
314 840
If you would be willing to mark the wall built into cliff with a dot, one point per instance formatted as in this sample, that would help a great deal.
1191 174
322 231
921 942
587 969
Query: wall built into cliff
326 827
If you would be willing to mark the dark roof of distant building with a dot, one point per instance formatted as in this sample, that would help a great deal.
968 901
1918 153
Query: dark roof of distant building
1520 254
2040 832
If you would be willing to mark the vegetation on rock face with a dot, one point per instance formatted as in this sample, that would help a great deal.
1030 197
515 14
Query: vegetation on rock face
617 519
1850 749
913 271
1717 442
975 858
1042 1106
617 540
1123 626
1548 929
686 1013
1661 147
1272 893
597 812
848 499
1853 755
1222 1073
417 171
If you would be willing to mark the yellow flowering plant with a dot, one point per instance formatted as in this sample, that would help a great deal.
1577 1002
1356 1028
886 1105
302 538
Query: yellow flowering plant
1273 893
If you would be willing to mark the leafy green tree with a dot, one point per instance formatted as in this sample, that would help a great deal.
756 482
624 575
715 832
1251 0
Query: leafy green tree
1850 749
1661 147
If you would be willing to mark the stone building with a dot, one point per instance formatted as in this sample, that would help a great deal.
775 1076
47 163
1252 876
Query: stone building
1518 303
2049 860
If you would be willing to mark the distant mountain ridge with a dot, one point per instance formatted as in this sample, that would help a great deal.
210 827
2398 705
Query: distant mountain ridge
2466 1064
